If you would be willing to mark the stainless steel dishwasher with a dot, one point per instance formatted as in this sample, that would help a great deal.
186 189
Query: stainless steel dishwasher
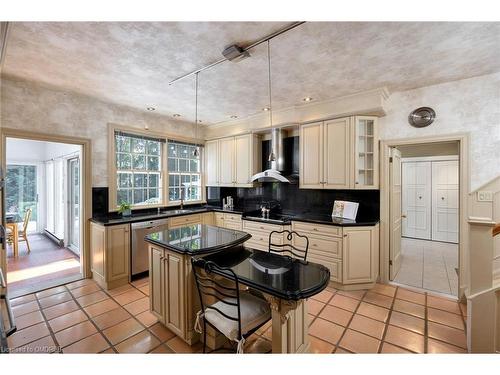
140 257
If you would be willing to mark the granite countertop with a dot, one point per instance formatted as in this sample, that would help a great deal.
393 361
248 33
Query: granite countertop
274 274
308 217
116 219
197 239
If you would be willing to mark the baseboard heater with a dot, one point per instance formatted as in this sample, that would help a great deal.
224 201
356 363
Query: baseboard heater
54 238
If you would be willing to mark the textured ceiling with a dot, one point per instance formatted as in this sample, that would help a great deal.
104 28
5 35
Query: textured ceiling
132 63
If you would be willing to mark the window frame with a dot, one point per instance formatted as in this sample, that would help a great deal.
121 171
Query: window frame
202 186
113 171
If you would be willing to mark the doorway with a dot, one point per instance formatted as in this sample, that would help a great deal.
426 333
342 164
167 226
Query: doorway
43 208
422 197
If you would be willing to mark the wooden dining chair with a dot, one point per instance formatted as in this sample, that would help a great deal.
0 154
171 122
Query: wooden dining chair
224 306
291 247
23 233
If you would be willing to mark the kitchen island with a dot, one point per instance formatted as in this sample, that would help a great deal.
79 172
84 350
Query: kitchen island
283 281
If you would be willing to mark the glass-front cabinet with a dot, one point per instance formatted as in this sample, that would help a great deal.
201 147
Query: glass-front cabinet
366 152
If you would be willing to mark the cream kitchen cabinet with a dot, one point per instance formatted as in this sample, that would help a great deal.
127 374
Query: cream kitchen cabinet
232 161
172 292
339 154
227 220
260 234
110 254
350 253
181 221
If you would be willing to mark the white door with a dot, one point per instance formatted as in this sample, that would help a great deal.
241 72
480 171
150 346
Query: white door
212 162
395 213
226 162
243 159
74 204
416 199
445 201
336 135
311 156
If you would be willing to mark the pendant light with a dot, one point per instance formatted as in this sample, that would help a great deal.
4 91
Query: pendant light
196 152
272 155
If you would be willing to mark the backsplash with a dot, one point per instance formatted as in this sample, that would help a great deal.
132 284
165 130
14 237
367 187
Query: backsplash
293 199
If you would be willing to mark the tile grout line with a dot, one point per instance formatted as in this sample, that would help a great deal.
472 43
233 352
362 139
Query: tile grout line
426 325
386 325
337 345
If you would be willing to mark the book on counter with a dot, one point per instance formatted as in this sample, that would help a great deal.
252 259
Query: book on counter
345 209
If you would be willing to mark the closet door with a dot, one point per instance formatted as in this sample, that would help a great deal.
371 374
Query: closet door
445 201
416 199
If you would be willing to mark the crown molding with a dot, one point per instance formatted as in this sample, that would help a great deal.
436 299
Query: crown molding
371 102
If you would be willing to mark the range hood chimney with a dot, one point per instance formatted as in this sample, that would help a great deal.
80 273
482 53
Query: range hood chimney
277 159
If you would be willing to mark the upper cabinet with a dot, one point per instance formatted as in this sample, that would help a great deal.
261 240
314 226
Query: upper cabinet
232 161
366 152
339 154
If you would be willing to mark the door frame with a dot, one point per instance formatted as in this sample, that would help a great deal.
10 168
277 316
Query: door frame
85 180
69 192
464 188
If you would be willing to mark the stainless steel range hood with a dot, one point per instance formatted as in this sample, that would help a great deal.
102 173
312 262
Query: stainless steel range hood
277 159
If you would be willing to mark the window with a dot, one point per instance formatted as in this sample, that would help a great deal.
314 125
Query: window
139 169
184 171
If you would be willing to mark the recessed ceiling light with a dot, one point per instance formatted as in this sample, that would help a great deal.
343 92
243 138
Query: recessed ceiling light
307 99
265 109
176 115
234 116
150 108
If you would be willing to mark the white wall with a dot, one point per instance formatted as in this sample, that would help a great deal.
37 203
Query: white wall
25 150
469 105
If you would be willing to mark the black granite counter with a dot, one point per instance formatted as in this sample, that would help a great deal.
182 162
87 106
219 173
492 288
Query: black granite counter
197 239
274 274
116 219
310 217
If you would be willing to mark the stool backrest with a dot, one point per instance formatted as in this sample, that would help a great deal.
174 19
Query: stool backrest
214 287
289 247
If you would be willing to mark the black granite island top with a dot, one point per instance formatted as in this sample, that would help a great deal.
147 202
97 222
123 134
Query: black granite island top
274 274
197 239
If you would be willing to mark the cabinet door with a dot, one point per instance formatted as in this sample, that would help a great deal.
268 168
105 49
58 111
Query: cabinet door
174 293
359 255
365 153
243 159
336 151
212 163
226 161
311 156
98 246
118 252
219 219
155 281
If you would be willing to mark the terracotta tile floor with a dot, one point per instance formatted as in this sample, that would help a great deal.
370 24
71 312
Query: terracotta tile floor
45 263
82 318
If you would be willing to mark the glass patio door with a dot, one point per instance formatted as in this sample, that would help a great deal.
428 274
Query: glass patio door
21 193
74 204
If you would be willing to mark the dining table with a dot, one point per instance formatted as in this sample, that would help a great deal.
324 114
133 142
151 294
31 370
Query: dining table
286 283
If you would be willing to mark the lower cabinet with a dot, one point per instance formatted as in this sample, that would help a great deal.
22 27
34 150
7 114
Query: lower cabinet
172 292
228 220
260 234
110 254
350 253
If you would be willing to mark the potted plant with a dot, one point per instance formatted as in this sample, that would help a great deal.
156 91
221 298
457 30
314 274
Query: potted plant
124 209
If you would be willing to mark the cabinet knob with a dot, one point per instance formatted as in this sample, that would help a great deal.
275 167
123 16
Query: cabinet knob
442 198
357 183
345 235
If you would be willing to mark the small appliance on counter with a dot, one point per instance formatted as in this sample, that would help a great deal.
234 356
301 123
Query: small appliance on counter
227 203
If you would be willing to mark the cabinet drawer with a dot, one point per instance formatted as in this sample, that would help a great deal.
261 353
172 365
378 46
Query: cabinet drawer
325 230
232 217
331 247
262 238
262 227
334 265
232 225
184 220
